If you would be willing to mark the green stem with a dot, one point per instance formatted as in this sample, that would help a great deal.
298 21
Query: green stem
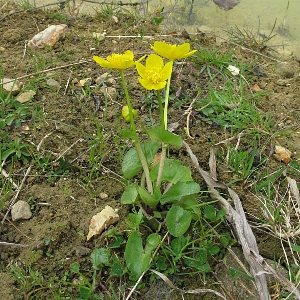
167 100
136 141
161 164
133 128
143 160
161 109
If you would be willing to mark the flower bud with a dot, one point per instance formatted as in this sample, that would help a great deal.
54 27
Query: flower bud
125 113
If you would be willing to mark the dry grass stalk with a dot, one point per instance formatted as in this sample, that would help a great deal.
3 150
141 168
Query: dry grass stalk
258 266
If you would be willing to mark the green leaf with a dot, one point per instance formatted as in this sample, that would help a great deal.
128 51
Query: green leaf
117 242
147 198
210 213
117 269
75 268
152 242
7 153
137 259
165 136
127 134
234 273
130 194
173 172
180 190
178 220
295 247
100 257
131 164
205 268
190 203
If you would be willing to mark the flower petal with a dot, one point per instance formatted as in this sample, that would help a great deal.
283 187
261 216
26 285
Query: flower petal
162 48
166 71
181 50
102 62
154 60
141 69
152 86
129 54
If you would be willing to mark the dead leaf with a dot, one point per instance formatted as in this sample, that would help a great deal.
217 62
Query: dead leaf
256 88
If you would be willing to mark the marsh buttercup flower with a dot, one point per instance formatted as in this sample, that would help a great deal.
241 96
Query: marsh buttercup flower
173 52
154 74
116 60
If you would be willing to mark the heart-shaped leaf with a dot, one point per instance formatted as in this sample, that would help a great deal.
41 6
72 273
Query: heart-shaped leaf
131 164
165 136
137 258
178 220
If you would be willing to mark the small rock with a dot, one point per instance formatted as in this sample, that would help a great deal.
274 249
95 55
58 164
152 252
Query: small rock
53 82
286 70
48 37
103 195
21 211
101 221
82 251
10 86
283 82
105 78
26 96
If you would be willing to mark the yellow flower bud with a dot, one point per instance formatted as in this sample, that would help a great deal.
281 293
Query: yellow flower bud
125 113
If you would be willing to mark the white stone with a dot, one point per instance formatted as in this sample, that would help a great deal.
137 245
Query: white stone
48 37
10 86
26 96
101 221
21 211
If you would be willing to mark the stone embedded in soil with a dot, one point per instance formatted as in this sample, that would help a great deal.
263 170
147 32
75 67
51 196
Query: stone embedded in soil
26 96
286 70
82 251
10 86
105 78
282 154
21 211
52 82
47 37
101 221
103 195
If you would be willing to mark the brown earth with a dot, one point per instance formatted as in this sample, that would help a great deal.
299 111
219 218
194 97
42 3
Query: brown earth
67 185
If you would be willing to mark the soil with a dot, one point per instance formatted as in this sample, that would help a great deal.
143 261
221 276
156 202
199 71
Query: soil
68 184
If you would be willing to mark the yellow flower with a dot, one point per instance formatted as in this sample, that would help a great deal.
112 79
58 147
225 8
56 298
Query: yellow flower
116 60
125 113
172 52
155 73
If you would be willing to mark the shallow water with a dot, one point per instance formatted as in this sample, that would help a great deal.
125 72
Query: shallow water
254 16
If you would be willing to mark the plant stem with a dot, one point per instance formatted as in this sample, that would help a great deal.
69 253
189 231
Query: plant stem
161 109
132 124
136 141
161 164
167 100
143 160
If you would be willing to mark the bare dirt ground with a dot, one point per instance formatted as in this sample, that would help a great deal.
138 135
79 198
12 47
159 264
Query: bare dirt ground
66 186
